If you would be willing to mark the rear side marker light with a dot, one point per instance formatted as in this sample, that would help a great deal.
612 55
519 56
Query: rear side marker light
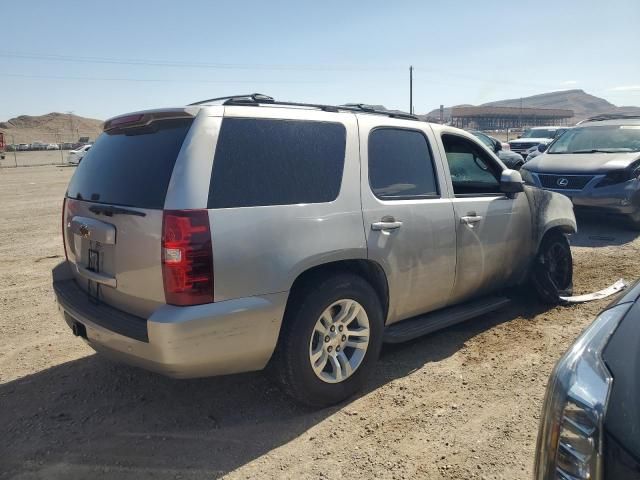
187 257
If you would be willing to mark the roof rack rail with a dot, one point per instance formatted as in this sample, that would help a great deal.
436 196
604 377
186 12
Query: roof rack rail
391 113
610 116
259 98
326 108
248 98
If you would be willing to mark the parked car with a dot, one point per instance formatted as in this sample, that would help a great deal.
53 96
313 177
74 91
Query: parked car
590 419
39 146
511 159
532 137
228 235
597 165
534 151
75 156
23 147
539 149
53 146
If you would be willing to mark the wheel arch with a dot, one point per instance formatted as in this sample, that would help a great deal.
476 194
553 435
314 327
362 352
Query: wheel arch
550 211
557 225
369 270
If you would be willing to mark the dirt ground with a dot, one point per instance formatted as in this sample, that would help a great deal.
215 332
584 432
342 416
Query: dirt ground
461 403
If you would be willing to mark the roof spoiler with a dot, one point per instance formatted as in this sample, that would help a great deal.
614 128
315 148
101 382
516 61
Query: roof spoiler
142 119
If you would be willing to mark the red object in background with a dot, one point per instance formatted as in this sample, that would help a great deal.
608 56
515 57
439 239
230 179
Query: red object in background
2 145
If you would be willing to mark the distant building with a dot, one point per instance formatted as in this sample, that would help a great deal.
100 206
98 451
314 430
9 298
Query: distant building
495 118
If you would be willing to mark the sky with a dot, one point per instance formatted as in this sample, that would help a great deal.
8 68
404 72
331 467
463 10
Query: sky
100 59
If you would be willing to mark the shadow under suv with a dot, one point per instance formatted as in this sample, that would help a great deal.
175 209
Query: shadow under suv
596 164
235 234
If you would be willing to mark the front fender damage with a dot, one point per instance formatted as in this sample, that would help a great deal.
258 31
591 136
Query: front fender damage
549 210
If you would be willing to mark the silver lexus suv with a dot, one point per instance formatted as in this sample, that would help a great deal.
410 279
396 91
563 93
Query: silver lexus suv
597 165
242 233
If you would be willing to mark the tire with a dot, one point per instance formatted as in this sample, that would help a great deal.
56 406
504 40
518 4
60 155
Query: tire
552 274
329 297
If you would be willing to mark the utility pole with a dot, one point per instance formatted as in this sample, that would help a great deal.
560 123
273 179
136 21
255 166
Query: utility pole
411 89
70 112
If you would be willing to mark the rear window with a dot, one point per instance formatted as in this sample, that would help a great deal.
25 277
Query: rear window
131 167
262 162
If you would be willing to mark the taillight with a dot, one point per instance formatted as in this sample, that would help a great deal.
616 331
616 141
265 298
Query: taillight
64 240
187 257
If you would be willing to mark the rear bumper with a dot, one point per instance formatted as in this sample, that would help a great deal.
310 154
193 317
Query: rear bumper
184 342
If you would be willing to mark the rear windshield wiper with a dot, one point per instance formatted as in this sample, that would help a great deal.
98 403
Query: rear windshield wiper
109 211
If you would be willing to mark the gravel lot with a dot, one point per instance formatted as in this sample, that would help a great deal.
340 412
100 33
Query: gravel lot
462 403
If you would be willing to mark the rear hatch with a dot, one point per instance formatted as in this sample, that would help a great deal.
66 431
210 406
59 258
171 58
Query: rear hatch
113 210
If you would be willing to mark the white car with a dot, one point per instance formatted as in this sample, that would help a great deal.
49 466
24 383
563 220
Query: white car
75 156
534 136
53 146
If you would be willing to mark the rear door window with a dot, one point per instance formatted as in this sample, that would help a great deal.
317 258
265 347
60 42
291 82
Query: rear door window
261 162
131 167
400 165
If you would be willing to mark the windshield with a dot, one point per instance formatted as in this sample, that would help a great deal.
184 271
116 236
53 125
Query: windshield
605 139
539 133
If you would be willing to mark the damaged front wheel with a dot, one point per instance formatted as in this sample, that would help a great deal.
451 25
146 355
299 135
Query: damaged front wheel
552 275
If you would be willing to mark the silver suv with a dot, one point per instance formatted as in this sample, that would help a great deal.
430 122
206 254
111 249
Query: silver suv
240 233
597 165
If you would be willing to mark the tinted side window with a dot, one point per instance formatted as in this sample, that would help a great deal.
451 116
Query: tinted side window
472 171
400 164
130 167
276 162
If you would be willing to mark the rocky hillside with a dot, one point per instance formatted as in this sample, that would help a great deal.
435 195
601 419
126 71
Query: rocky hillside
50 128
583 104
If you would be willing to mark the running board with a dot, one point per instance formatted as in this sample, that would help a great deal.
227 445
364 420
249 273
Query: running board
430 322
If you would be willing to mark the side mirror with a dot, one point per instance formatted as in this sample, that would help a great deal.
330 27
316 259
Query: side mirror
511 182
497 146
542 147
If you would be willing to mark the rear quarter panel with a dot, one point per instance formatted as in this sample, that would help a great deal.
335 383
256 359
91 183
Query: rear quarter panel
261 250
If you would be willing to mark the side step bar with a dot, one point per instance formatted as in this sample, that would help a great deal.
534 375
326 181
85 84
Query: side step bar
430 322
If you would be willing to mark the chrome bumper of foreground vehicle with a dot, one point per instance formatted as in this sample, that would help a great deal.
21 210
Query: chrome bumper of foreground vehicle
198 341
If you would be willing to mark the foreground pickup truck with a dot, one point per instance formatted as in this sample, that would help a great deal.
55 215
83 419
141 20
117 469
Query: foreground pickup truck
239 233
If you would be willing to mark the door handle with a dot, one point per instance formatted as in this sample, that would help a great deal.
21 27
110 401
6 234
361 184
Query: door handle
470 219
386 224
